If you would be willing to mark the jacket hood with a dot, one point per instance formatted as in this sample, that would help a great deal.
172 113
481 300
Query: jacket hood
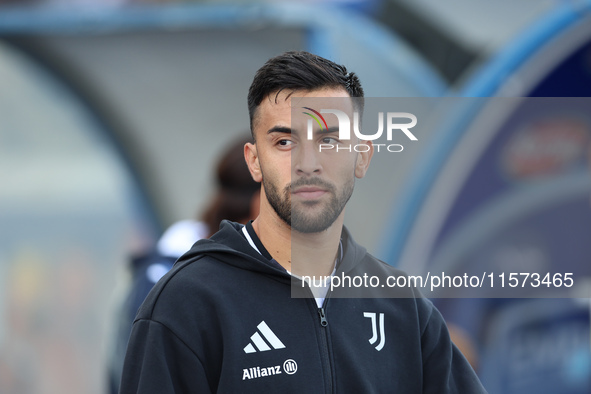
229 243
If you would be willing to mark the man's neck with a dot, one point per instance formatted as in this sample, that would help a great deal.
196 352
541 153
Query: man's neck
312 254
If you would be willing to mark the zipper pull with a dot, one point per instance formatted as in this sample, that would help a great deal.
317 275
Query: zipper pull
323 321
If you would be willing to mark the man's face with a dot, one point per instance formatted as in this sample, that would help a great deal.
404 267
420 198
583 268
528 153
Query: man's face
307 189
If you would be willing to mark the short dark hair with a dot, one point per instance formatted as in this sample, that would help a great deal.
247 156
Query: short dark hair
297 70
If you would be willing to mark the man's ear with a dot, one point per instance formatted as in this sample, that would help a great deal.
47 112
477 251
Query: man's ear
363 160
252 161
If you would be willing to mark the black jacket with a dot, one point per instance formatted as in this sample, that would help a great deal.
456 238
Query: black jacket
224 320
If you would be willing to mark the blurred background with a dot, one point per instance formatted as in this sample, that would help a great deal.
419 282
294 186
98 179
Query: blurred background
113 114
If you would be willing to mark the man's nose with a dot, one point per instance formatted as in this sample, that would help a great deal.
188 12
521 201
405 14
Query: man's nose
306 160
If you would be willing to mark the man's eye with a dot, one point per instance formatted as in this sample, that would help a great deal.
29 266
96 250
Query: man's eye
329 140
285 142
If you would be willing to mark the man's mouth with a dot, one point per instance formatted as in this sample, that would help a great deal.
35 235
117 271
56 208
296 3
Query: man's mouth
309 192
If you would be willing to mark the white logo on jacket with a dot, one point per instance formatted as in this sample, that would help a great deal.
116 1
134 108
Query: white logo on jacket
374 326
289 367
269 342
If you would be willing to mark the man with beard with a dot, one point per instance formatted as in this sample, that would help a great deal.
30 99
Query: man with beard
225 319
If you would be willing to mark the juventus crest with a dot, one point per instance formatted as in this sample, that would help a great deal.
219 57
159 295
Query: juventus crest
374 325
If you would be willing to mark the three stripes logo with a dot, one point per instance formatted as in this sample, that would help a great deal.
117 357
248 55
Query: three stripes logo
264 339
374 326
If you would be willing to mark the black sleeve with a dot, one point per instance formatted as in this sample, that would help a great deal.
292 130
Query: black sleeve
158 362
445 369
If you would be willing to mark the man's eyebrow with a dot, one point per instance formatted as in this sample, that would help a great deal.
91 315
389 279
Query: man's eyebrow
279 129
330 130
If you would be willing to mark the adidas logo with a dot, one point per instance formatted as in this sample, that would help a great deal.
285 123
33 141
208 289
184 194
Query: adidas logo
270 340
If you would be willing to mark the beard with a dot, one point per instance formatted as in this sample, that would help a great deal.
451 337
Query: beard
297 218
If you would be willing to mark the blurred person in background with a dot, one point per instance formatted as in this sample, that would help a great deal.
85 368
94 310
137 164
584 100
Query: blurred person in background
236 198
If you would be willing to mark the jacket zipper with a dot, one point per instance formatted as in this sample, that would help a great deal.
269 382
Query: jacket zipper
324 353
323 321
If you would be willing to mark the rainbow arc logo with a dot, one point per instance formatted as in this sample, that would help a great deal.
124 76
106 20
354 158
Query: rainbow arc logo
315 118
